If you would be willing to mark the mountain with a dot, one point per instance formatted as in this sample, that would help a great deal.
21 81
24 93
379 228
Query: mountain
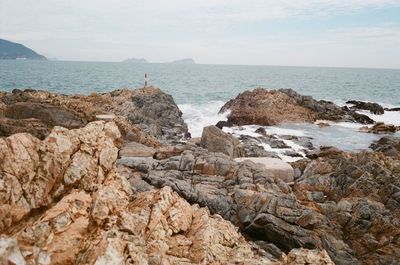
134 60
11 51
184 61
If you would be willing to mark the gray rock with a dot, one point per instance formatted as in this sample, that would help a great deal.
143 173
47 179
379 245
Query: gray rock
215 140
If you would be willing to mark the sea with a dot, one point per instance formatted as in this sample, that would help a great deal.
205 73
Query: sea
200 90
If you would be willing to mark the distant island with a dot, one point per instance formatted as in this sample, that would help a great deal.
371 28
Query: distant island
142 60
134 60
15 51
184 61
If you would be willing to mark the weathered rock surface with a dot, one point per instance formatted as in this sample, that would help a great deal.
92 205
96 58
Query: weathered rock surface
271 107
251 197
374 108
215 140
63 201
147 109
360 195
380 128
389 145
265 107
275 166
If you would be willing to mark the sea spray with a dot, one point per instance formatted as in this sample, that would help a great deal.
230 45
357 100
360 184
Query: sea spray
198 116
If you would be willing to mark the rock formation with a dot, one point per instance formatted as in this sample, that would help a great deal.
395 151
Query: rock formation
82 196
379 128
63 201
374 108
146 109
271 107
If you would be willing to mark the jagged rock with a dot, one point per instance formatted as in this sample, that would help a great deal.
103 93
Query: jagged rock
265 108
271 107
152 110
358 194
215 140
252 147
36 173
389 145
327 110
374 108
249 196
76 209
379 128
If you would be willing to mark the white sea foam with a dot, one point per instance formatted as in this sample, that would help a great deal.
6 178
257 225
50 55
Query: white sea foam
344 135
199 116
389 117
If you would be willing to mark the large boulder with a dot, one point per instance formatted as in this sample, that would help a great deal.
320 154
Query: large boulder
271 107
275 166
215 140
265 107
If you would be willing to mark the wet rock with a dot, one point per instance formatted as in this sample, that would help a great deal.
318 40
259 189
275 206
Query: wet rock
380 128
222 124
292 153
392 109
215 140
374 108
299 140
389 145
261 131
323 124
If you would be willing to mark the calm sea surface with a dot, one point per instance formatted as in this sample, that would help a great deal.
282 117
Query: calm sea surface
199 84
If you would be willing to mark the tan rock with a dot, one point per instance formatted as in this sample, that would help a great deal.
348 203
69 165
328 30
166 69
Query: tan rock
215 140
264 107
275 166
308 257
133 149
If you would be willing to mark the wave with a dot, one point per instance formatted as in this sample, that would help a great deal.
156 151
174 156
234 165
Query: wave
198 116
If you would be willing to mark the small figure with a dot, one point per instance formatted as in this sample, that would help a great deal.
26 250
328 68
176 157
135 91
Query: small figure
145 80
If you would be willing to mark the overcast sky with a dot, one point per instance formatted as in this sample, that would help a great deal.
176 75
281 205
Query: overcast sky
359 33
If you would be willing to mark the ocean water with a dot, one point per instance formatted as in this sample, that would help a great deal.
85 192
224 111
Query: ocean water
200 90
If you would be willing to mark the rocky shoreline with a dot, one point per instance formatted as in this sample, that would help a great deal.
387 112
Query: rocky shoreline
114 178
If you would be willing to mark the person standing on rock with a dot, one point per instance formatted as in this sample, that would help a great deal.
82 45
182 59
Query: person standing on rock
145 80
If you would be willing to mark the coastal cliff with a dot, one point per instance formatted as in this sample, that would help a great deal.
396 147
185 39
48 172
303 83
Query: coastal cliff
113 178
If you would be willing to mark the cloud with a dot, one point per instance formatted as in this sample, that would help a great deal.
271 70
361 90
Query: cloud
212 31
386 31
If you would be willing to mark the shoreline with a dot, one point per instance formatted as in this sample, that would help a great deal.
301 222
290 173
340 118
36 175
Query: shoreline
129 184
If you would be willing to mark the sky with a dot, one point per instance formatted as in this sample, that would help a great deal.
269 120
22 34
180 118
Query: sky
338 33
